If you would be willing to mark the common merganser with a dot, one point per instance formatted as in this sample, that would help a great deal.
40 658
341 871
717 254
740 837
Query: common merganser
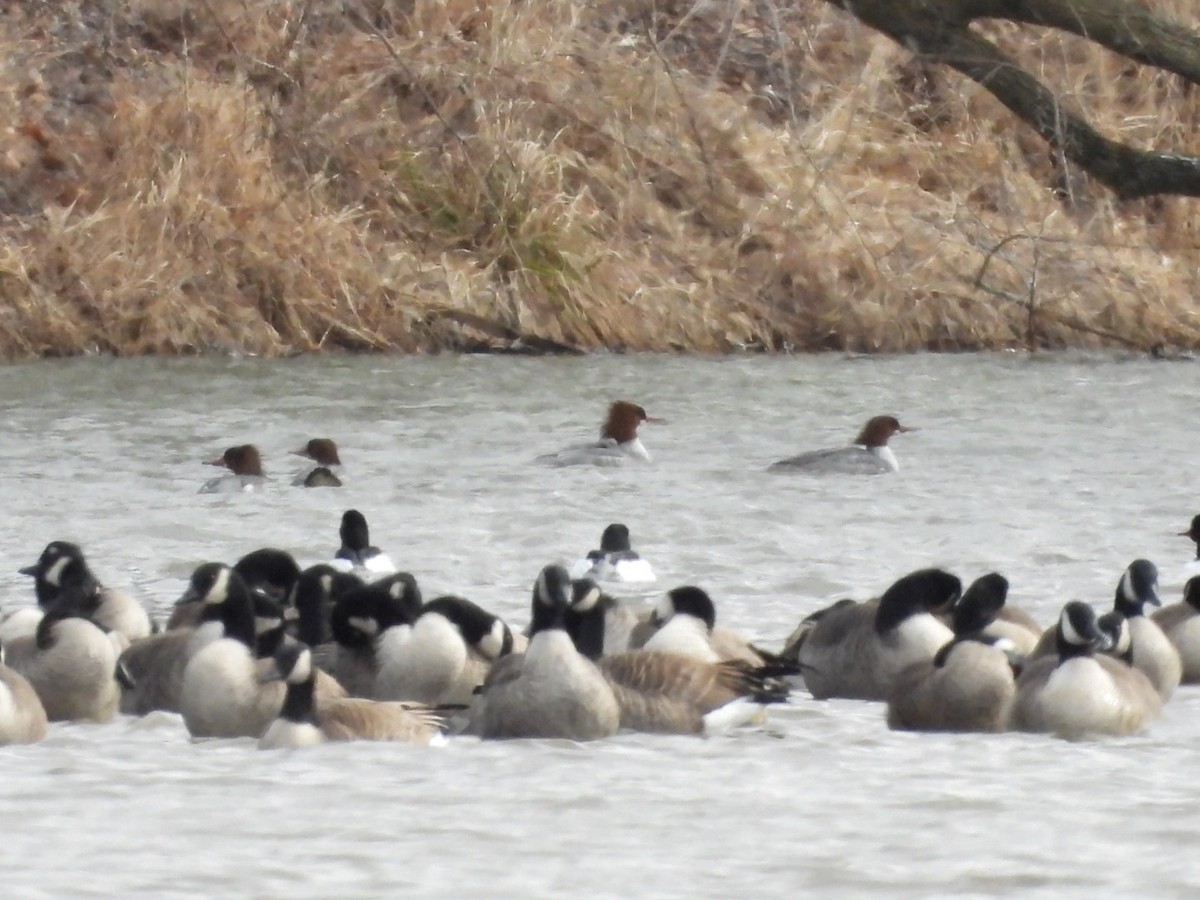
616 560
1074 693
356 555
856 650
301 723
618 440
328 468
245 471
868 455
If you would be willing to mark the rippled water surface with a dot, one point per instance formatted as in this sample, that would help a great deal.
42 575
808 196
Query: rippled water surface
1055 471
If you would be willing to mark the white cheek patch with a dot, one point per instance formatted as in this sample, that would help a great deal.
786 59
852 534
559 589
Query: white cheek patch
492 644
326 582
1070 635
262 624
397 590
220 589
365 624
1127 587
54 573
664 609
302 670
588 601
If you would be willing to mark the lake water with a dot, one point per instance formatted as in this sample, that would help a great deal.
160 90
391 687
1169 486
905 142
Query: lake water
1056 471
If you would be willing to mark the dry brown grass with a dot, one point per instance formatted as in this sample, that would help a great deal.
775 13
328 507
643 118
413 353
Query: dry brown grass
186 176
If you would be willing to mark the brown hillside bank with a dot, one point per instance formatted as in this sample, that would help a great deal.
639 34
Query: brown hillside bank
184 176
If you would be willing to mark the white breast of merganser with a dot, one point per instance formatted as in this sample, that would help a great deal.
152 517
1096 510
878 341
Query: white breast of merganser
618 441
868 455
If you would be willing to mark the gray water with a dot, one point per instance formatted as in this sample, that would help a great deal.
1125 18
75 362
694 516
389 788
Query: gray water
1056 471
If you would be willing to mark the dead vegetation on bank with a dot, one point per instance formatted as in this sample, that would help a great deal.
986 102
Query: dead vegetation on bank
189 176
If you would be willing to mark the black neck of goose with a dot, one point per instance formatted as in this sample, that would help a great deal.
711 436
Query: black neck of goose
1130 609
544 618
313 623
1068 650
586 630
44 636
298 703
237 616
892 614
268 642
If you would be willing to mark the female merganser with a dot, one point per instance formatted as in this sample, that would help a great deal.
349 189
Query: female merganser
328 468
618 441
245 471
614 561
868 455
1074 693
356 554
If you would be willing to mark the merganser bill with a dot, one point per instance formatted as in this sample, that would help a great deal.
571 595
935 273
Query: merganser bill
868 455
616 560
245 471
328 468
618 442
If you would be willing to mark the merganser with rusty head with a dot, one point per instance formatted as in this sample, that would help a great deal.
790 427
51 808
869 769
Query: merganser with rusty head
327 468
618 442
245 471
868 455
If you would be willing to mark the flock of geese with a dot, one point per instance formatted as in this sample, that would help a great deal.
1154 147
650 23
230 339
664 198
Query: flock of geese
350 650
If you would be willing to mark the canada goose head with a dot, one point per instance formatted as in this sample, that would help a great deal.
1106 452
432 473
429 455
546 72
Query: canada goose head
923 591
615 538
551 600
226 602
314 596
1193 532
272 571
685 601
484 632
976 609
362 614
1078 633
355 535
1116 627
1137 587
291 663
62 574
1191 592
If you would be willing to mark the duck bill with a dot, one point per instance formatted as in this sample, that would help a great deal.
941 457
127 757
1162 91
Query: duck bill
219 462
31 571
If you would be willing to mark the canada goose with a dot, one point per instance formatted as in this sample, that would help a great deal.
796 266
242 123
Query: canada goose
1180 622
356 553
361 618
856 650
1116 630
616 560
443 656
62 574
969 685
668 692
21 622
1075 693
314 597
970 682
221 695
685 622
551 690
70 664
301 723
1153 652
22 716
983 608
267 571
